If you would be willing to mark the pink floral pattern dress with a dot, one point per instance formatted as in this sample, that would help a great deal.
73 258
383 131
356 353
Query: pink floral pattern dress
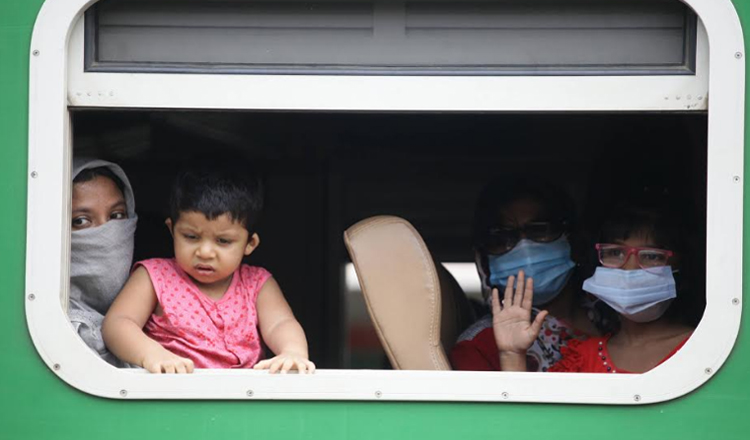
212 333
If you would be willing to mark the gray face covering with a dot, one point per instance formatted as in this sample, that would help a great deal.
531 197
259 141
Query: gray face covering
99 266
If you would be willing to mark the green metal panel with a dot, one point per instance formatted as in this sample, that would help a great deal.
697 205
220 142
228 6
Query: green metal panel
35 404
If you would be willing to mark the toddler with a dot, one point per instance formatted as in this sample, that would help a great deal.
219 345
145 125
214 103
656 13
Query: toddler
204 308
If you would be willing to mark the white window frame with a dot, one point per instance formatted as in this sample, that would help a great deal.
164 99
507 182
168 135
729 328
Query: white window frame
57 81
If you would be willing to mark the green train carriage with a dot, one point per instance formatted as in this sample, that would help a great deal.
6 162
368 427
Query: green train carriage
356 109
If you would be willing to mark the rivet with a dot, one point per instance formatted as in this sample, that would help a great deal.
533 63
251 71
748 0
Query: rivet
736 179
123 393
505 395
378 394
34 174
736 301
31 297
111 93
35 53
637 397
708 370
250 393
738 55
88 93
678 97
56 367
700 98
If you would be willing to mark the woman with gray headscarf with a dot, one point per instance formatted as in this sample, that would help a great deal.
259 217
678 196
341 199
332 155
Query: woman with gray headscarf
101 250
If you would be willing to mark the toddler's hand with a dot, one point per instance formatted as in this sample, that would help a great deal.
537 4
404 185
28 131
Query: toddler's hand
165 361
511 319
285 362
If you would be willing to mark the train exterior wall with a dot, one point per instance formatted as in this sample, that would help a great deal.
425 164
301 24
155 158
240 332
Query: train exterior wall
35 404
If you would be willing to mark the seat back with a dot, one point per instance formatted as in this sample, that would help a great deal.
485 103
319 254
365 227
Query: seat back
417 308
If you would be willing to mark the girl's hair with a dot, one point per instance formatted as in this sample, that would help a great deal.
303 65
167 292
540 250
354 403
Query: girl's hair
656 218
217 186
90 174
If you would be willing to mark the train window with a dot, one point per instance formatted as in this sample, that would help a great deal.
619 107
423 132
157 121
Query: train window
344 147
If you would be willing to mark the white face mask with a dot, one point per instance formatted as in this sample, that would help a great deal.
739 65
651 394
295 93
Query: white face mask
638 295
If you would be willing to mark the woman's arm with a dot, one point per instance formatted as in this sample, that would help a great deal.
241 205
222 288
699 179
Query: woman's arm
123 328
281 332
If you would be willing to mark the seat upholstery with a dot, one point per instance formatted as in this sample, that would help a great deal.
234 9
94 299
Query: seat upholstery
417 308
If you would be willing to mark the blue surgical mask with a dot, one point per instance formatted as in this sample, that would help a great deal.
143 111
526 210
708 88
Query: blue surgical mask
638 295
549 264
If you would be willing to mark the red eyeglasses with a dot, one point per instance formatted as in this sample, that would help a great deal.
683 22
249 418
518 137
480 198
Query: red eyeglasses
616 255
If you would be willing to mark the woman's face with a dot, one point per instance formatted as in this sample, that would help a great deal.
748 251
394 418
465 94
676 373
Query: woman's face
96 202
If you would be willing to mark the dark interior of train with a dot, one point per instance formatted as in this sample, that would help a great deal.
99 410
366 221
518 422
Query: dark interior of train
326 171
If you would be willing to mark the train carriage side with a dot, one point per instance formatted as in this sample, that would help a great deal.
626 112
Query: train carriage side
369 130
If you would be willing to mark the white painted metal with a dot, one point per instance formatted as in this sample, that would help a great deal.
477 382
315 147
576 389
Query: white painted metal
52 90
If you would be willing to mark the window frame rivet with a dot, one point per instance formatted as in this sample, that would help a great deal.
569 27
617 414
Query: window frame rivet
736 301
35 52
56 367
738 55
31 297
378 394
123 393
250 393
34 174
736 179
708 370
505 395
637 397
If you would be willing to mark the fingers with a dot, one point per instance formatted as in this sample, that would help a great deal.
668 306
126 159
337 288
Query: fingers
508 298
284 364
518 295
495 302
287 365
536 326
528 294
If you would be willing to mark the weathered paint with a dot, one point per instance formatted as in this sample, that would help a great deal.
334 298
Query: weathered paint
35 404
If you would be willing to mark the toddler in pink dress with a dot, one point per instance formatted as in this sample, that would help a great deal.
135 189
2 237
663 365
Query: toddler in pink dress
204 308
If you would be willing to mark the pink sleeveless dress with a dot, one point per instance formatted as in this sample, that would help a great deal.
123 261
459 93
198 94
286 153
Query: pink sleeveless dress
213 334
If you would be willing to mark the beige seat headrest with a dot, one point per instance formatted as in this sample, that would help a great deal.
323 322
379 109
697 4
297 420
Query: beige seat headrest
402 290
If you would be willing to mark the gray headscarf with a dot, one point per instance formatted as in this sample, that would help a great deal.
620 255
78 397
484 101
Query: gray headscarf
100 260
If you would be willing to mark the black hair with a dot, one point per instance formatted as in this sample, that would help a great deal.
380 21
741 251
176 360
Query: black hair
90 174
217 186
497 195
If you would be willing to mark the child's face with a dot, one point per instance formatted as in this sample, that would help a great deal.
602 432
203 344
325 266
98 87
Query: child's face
96 202
210 250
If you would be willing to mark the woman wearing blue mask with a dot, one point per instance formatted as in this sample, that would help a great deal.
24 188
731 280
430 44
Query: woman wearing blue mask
524 226
639 255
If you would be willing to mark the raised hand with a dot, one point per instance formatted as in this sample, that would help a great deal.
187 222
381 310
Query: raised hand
285 362
511 321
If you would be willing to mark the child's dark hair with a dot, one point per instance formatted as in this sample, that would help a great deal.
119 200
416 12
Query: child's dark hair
90 174
215 187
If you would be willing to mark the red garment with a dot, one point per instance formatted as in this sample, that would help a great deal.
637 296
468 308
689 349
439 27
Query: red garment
476 349
212 333
592 356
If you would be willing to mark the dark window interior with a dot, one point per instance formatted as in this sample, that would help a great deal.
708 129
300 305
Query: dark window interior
326 171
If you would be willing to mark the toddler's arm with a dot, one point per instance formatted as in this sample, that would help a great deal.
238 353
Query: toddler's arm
511 322
281 332
123 328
